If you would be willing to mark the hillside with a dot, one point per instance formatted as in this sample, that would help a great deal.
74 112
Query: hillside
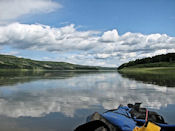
157 70
13 62
165 60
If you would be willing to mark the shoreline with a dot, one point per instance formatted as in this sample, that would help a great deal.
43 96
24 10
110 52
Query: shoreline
148 70
38 70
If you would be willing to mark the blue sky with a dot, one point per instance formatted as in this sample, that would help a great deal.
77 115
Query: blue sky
144 16
114 31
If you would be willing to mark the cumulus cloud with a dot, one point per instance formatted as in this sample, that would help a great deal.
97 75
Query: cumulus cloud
100 48
46 38
12 9
110 36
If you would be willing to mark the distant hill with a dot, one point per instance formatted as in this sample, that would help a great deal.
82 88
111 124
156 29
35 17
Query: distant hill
13 62
164 60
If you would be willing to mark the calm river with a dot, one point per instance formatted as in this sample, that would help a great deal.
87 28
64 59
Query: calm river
60 101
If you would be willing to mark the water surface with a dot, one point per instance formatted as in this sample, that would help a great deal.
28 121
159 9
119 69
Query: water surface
59 101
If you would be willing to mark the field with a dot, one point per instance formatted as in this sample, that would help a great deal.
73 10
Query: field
149 70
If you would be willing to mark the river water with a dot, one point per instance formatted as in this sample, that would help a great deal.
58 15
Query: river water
60 101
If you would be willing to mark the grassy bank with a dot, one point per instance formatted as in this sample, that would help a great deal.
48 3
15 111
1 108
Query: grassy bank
164 60
149 70
162 76
157 70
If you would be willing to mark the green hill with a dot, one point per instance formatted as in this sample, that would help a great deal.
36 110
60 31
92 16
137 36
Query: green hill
165 60
13 62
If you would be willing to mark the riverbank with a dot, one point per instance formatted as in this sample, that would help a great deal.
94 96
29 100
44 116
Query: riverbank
149 70
162 76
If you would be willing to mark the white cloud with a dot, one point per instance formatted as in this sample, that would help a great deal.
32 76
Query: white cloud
10 53
103 56
86 47
12 9
42 37
110 36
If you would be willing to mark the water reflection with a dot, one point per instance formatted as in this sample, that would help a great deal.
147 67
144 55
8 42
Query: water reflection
15 77
164 79
70 100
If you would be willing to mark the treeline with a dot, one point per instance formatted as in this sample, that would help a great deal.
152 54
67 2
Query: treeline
151 61
12 62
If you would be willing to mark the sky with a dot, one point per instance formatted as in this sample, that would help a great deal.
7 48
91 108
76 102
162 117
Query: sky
87 32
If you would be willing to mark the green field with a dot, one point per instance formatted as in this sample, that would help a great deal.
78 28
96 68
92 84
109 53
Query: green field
149 70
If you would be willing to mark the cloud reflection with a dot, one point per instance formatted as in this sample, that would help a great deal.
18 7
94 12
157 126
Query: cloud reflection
38 98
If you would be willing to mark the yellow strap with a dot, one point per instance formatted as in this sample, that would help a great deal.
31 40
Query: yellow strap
150 127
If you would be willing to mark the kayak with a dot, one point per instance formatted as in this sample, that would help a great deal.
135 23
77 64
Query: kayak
126 118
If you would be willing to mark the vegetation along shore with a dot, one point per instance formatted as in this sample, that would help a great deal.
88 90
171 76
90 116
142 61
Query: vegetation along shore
159 64
9 62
